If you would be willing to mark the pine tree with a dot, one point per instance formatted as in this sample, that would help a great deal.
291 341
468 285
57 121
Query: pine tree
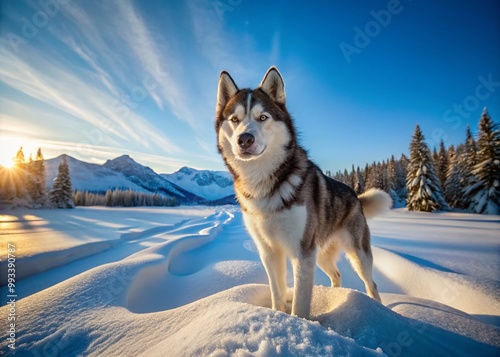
466 162
434 157
401 172
424 190
372 176
345 178
453 191
442 163
359 183
108 199
79 198
19 158
20 178
392 176
36 180
485 192
62 194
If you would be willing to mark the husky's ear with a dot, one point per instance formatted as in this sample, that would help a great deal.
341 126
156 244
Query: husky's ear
227 90
272 84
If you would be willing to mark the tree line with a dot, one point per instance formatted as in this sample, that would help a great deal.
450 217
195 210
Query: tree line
123 198
465 177
25 185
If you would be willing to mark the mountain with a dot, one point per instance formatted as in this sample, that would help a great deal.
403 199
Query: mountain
211 185
146 178
89 177
124 173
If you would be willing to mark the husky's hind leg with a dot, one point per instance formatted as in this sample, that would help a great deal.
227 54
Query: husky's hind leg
327 261
361 258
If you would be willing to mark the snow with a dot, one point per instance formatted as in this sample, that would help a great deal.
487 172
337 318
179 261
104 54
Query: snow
187 281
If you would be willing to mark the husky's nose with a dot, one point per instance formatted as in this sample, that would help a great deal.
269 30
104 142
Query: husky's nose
246 140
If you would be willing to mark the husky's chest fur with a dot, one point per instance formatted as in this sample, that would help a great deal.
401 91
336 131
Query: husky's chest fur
280 230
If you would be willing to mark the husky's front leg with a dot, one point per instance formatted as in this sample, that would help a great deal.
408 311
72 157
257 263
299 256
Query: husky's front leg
303 274
274 261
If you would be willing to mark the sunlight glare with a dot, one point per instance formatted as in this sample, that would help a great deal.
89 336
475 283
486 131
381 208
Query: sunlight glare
9 145
6 161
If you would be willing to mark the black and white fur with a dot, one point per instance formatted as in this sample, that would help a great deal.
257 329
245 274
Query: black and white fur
289 207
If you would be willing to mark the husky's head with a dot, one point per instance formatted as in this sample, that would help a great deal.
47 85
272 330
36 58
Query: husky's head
253 125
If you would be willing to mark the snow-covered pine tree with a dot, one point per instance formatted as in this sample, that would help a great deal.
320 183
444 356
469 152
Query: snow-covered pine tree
466 162
485 192
434 157
442 163
453 191
424 190
62 194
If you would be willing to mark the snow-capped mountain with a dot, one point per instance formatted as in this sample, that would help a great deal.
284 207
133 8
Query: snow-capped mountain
89 177
211 185
125 173
144 176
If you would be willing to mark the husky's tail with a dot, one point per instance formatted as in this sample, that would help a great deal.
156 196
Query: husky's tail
375 202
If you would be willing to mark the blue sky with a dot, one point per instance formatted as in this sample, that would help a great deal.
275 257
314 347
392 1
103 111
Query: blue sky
99 79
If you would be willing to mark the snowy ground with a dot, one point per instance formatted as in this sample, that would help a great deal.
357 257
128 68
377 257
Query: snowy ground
188 282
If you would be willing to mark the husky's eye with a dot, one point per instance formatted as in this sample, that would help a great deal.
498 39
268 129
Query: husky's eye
234 119
263 117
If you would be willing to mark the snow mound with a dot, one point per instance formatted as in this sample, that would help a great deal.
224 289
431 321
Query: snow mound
466 294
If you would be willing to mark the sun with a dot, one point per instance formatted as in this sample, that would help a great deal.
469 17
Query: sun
6 156
8 149
6 162
10 145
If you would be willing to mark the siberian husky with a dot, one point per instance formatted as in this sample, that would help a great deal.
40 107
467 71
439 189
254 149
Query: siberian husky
290 208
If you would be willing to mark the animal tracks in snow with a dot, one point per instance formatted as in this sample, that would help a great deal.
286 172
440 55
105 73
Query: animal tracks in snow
206 258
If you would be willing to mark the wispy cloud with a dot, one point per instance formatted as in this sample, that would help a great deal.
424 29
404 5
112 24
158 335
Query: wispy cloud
89 85
75 93
105 73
